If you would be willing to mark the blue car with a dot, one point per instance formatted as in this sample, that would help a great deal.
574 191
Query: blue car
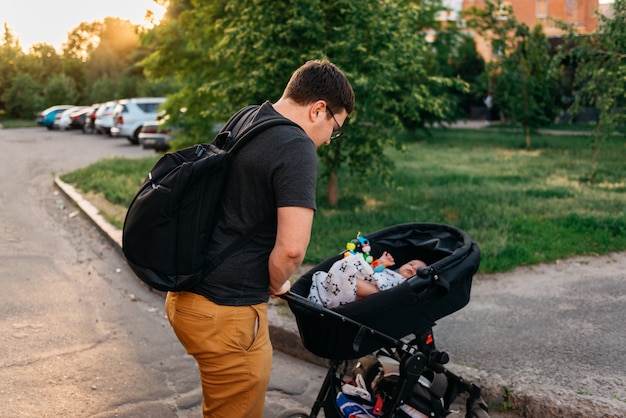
46 117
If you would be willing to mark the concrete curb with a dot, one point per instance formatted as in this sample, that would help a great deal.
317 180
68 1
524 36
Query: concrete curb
110 232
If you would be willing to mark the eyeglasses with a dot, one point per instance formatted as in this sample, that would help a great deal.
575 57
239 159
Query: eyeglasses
336 132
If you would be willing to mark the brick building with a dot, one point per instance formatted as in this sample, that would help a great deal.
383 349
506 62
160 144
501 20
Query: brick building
580 13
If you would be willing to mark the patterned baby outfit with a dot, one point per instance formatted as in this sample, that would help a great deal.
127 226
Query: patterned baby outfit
338 286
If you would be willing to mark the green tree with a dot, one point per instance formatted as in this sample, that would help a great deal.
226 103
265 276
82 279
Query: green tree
75 70
98 63
107 47
44 61
103 90
600 75
60 90
83 40
10 57
23 98
526 84
520 79
230 53
496 23
101 57
457 57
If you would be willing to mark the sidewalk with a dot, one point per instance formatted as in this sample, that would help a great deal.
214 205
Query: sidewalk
548 340
480 124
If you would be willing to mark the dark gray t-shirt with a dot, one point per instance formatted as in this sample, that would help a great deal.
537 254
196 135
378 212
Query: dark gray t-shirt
277 168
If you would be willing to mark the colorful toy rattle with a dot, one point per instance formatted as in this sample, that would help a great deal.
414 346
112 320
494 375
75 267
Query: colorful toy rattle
360 245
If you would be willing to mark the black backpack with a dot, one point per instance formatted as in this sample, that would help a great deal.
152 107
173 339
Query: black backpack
169 222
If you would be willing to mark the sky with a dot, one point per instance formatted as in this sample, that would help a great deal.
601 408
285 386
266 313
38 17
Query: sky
49 21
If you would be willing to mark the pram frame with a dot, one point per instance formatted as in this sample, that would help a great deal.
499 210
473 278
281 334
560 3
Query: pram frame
415 359
452 259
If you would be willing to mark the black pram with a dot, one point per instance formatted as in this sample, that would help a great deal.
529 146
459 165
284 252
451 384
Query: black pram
396 326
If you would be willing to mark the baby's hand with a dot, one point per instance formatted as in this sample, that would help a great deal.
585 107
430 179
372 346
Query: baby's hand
387 259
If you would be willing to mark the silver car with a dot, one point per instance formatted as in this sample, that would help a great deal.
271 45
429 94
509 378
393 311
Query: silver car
104 117
130 114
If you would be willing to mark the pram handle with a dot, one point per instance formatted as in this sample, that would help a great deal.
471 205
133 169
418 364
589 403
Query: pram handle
304 302
422 280
364 330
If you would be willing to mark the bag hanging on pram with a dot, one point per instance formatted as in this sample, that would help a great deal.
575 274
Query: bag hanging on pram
376 378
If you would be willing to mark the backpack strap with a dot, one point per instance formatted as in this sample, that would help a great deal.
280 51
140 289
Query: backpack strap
240 129
251 130
226 136
244 130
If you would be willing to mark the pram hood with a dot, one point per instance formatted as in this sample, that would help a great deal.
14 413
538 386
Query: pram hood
411 307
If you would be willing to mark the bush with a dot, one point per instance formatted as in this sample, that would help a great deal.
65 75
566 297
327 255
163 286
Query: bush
22 100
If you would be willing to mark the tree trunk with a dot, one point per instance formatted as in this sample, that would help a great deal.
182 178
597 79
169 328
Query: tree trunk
596 151
526 114
333 190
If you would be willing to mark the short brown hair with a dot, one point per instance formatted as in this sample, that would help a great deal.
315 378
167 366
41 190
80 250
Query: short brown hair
321 80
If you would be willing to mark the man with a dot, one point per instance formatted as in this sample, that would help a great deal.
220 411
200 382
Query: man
271 183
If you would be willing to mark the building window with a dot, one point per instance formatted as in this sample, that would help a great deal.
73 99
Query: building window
541 9
571 11
497 51
504 11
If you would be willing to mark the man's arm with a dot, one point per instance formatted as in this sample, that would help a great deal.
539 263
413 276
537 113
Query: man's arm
292 239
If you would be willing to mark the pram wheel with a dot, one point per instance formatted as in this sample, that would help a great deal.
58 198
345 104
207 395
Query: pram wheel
478 412
296 413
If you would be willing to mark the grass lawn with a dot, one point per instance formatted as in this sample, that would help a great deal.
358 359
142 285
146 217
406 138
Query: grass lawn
16 123
521 206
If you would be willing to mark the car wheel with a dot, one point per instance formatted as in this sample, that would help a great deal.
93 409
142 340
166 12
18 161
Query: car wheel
135 138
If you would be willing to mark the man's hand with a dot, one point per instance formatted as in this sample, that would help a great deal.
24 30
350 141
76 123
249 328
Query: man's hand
283 289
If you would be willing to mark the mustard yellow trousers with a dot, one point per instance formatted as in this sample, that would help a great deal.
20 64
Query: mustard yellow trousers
232 347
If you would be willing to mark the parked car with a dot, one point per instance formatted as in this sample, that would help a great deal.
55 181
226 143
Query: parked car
78 118
62 119
130 114
104 117
89 126
155 135
46 117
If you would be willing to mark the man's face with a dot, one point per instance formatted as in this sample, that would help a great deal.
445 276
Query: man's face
329 128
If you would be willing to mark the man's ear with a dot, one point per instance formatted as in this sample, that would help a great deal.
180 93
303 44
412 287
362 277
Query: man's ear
316 108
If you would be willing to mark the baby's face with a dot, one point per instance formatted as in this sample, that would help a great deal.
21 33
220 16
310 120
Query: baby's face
409 269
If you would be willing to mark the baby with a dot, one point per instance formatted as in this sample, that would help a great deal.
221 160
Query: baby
352 278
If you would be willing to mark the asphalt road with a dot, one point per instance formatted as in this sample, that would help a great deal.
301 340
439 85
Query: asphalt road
82 337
